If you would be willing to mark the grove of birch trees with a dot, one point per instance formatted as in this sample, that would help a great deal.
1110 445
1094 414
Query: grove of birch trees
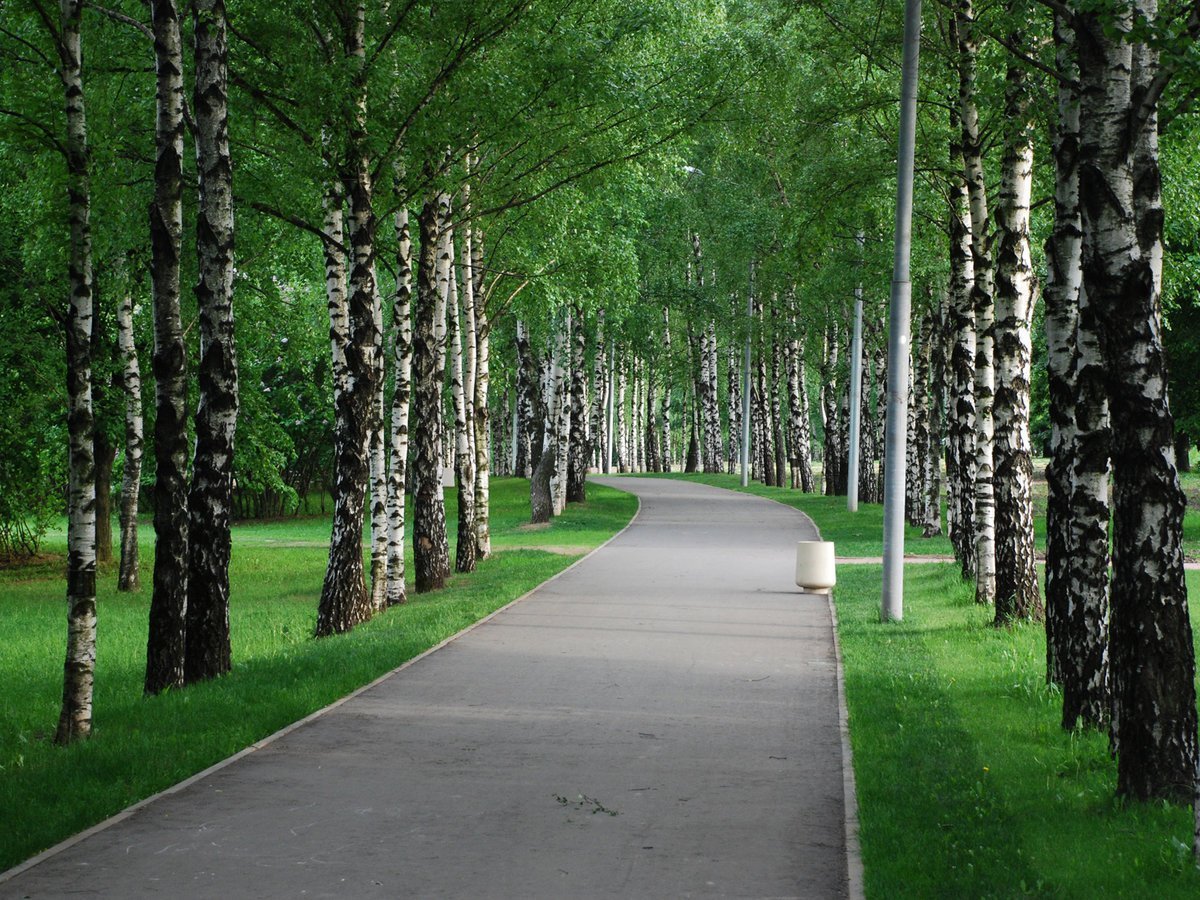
378 251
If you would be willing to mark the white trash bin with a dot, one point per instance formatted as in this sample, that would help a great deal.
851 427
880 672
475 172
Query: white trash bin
815 570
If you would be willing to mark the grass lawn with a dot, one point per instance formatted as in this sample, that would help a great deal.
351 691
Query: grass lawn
141 746
967 786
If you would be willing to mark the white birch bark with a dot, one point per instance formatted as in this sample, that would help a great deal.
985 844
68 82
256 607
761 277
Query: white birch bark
210 503
562 408
131 382
665 411
464 460
397 591
1018 594
75 718
1153 656
168 601
482 416
982 303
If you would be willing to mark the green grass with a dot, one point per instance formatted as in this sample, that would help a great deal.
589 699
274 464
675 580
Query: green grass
967 784
140 746
855 534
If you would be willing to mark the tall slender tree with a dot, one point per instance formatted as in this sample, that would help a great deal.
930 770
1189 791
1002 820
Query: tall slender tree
210 503
168 601
1018 595
75 718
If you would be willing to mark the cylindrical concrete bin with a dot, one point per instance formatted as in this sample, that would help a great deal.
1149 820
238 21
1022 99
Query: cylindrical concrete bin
815 570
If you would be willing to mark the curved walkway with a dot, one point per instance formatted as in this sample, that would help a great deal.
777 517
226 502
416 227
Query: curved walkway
661 720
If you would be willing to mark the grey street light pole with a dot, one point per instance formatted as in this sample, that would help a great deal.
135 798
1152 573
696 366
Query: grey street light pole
896 437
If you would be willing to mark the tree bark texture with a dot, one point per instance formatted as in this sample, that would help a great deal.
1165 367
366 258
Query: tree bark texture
1018 594
128 576
465 546
982 291
562 423
733 381
931 524
960 312
526 388
210 503
345 601
397 590
1152 655
580 450
75 718
431 549
482 416
1077 515
829 410
168 601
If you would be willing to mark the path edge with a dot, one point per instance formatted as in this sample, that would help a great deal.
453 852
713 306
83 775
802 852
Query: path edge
854 863
128 811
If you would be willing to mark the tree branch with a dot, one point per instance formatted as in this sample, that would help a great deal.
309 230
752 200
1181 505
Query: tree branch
268 210
122 18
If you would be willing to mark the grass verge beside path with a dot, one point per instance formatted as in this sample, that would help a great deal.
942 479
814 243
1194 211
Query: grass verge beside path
281 674
856 534
967 786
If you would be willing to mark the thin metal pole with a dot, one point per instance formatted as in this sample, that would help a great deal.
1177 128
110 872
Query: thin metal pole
856 373
746 381
896 436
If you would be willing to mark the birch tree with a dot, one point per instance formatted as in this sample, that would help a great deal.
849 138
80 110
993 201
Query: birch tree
397 592
431 549
168 601
982 303
1017 591
75 718
207 647
128 576
1152 652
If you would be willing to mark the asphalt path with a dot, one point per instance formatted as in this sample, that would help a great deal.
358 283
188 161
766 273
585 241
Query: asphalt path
661 720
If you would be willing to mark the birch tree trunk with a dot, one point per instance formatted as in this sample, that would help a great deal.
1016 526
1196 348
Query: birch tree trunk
345 601
622 425
982 302
207 648
960 311
1017 591
1077 515
481 419
397 590
128 577
526 385
920 405
1153 665
599 394
931 524
75 718
580 447
777 424
464 463
869 483
829 401
802 437
918 435
733 445
562 424
880 418
168 601
431 549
